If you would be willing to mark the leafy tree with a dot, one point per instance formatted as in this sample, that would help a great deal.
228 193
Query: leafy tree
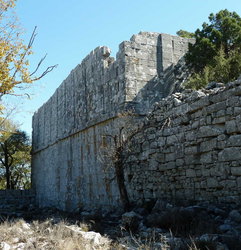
184 33
224 31
21 169
219 71
14 157
216 54
14 53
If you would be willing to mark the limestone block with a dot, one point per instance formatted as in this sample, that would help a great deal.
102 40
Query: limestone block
154 145
230 184
238 122
216 107
213 183
182 109
234 140
160 157
170 157
232 101
228 112
171 140
236 171
191 136
220 145
231 126
222 113
222 137
236 91
145 145
171 165
179 162
209 121
161 141
153 164
209 131
151 136
206 158
190 173
191 150
218 120
239 182
190 159
208 145
205 171
230 154
237 110
199 104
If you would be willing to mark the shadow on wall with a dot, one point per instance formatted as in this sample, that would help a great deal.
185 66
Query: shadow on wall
166 82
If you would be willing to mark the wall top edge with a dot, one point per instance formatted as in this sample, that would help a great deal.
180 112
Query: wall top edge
103 53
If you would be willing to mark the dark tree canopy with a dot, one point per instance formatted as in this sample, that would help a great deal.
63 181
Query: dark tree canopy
223 31
184 33
216 55
14 159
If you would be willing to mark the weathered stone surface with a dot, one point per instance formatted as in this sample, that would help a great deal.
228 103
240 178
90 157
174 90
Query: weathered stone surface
68 129
230 154
236 171
209 131
234 140
205 162
17 198
191 173
188 145
235 216
231 126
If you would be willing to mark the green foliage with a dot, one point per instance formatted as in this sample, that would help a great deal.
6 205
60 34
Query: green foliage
14 157
198 81
21 170
224 31
186 34
223 69
216 55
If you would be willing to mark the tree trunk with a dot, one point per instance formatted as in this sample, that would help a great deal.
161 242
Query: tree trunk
6 164
121 185
7 172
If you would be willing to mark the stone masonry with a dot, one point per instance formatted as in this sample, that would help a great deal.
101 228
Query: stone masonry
10 200
189 148
68 129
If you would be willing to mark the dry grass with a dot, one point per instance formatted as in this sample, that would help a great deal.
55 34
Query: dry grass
63 235
151 243
46 235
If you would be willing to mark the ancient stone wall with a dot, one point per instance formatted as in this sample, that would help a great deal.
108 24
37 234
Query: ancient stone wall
68 129
189 148
10 200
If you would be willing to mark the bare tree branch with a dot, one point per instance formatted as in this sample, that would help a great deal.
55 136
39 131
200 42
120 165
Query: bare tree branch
31 41
39 64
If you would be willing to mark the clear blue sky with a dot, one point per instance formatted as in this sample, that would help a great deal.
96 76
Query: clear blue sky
69 30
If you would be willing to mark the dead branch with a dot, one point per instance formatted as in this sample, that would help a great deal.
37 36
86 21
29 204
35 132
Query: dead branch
47 70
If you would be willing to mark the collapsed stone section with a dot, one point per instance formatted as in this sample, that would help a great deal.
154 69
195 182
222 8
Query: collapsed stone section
189 148
68 129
